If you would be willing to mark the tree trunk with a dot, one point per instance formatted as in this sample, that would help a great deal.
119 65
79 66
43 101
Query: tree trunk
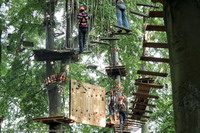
183 30
145 128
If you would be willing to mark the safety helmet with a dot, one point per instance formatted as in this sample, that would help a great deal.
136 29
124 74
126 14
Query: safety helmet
81 8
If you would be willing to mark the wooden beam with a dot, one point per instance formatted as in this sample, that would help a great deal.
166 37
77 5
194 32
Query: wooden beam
136 122
151 73
155 45
123 28
145 95
158 1
135 115
155 28
145 104
121 33
139 14
99 42
149 80
147 5
156 14
136 119
149 85
154 59
139 110
28 44
110 39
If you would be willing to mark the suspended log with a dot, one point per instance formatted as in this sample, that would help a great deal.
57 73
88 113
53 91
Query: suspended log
123 28
155 45
141 116
27 44
145 104
110 39
145 95
151 73
99 42
145 80
156 14
139 110
147 5
155 28
158 1
154 59
139 14
149 85
121 33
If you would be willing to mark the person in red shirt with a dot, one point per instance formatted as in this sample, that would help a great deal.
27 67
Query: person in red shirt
83 27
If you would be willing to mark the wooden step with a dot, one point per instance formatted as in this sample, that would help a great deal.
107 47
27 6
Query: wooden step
153 59
155 45
156 14
147 5
110 39
151 73
134 115
149 85
145 80
158 1
139 110
145 95
121 33
99 42
145 104
139 14
136 119
155 28
123 28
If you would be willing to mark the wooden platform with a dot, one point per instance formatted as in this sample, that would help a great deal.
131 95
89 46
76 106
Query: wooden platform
158 1
155 45
155 28
110 39
147 5
139 14
149 85
152 73
156 14
53 55
54 120
123 28
153 59
116 70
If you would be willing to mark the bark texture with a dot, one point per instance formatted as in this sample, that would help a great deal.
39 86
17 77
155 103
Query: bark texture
183 30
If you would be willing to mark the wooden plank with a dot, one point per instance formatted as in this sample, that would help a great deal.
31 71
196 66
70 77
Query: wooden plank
146 80
116 70
152 73
145 104
147 5
121 33
136 122
139 14
136 119
154 59
139 110
99 42
158 1
141 116
110 39
155 28
145 95
123 28
28 44
155 45
156 14
149 85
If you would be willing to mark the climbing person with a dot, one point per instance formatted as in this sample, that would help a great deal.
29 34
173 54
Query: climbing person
122 110
121 14
83 27
112 106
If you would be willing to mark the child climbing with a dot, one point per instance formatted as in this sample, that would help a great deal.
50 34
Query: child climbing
121 14
112 106
122 110
83 27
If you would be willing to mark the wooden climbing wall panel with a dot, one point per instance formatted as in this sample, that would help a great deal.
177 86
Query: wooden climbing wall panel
88 104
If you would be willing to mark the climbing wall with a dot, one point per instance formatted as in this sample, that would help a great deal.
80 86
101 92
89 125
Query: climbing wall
88 104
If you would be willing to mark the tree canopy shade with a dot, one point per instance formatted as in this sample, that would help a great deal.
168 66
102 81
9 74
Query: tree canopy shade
23 95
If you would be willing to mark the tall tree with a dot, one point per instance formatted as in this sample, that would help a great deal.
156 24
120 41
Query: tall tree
182 20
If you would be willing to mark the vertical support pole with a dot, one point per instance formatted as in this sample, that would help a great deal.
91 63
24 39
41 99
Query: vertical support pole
1 120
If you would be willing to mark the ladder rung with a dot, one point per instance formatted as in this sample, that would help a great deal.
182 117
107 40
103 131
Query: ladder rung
155 28
110 39
122 33
147 5
98 42
139 14
134 115
145 95
155 45
149 85
165 60
152 73
156 14
145 104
